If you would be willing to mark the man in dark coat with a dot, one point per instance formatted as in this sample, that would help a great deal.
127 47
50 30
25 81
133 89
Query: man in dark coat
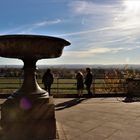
88 81
47 80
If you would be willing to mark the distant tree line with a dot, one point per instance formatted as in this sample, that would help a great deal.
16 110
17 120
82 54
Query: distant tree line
70 73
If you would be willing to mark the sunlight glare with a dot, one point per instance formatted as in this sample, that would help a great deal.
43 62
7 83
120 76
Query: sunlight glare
132 5
130 15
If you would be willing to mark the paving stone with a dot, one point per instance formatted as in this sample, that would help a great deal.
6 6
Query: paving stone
100 119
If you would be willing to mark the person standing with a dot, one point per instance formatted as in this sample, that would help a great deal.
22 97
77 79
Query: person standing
88 80
80 83
47 80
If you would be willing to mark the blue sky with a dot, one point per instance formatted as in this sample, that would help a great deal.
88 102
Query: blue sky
100 31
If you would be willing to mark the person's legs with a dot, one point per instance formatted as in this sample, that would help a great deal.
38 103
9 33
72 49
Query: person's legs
88 89
49 89
45 86
81 92
78 92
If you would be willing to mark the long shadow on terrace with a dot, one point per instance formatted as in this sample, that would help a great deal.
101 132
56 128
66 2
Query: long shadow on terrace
70 103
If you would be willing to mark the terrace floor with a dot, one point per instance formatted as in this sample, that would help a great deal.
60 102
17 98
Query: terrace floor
97 119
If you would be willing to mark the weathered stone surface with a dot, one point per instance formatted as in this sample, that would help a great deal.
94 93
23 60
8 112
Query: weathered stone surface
28 119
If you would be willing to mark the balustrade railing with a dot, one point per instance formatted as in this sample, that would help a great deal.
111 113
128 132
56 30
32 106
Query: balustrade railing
68 86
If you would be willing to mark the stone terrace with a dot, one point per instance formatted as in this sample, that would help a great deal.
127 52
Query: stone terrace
97 119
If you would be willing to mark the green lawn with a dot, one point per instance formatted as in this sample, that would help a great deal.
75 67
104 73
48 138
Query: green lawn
65 86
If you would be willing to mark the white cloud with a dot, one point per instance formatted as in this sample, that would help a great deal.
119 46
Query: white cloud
97 51
46 23
40 24
81 7
112 50
105 50
29 28
123 15
119 25
129 15
88 31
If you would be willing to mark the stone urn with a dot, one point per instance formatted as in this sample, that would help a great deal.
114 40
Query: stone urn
29 112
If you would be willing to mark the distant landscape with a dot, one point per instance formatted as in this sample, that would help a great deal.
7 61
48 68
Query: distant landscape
107 78
79 66
69 70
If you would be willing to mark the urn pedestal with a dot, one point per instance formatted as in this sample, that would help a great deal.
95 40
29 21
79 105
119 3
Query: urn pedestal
24 119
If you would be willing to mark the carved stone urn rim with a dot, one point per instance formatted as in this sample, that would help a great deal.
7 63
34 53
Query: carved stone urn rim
31 46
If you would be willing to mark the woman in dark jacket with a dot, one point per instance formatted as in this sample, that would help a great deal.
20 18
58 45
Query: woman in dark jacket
80 83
